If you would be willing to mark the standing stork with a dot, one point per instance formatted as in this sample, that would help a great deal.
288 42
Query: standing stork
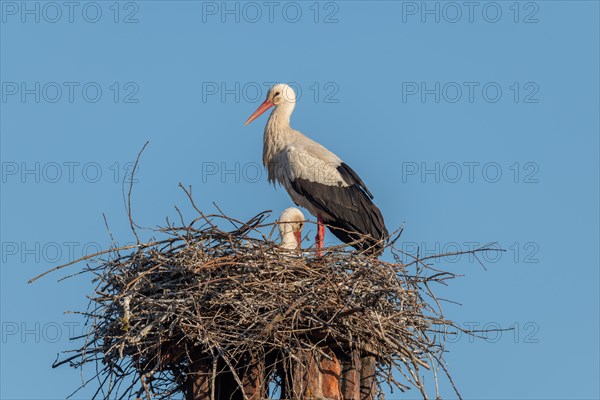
317 179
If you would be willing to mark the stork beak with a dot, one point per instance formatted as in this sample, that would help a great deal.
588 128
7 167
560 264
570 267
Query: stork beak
298 236
261 109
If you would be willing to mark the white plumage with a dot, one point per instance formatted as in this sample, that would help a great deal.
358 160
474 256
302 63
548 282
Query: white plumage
290 224
317 179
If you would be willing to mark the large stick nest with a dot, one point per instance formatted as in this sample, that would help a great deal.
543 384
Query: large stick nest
206 293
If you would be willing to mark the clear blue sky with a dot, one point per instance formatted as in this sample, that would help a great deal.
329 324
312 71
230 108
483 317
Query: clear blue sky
470 123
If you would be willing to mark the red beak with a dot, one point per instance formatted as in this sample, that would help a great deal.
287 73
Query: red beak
261 109
298 238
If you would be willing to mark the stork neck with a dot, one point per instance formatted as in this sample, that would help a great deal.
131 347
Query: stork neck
277 133
288 240
280 117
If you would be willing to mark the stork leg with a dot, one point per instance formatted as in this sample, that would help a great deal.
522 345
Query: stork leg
320 238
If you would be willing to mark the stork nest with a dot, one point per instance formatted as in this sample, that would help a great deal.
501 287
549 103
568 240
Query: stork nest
203 294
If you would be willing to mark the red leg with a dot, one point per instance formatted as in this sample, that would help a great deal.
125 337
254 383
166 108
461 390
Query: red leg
320 238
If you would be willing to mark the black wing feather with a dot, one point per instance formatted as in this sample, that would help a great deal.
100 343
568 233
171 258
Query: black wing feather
352 178
348 210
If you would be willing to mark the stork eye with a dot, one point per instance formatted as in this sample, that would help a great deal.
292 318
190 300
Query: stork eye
276 94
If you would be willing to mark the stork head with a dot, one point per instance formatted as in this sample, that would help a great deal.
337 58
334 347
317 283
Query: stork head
290 223
280 95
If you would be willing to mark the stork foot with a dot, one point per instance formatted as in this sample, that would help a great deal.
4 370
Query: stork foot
319 245
320 238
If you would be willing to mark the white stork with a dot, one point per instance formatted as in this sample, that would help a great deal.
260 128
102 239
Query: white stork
290 223
317 179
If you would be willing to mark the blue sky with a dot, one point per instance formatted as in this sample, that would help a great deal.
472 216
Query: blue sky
470 123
